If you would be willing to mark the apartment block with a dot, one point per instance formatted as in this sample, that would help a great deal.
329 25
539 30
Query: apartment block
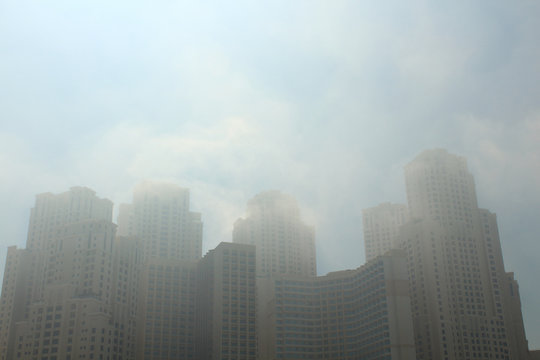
381 228
53 210
161 218
166 312
68 295
76 317
352 314
13 304
464 304
284 244
226 304
127 273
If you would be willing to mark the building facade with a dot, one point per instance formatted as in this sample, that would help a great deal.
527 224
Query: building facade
381 228
53 210
86 293
58 299
79 315
464 304
166 312
352 314
285 245
160 216
225 326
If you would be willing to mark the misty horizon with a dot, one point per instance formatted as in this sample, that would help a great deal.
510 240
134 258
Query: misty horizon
267 205
308 214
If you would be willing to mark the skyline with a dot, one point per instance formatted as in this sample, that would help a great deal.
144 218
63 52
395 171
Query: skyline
207 246
326 102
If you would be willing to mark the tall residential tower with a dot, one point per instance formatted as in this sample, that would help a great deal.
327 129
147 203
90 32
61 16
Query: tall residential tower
464 304
67 295
381 228
285 245
161 218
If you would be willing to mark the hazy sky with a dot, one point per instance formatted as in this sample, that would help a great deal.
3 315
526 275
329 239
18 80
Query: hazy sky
324 100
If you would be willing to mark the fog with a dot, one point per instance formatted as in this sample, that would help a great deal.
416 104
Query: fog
326 101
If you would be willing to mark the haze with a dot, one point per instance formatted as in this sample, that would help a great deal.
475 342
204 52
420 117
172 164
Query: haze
323 100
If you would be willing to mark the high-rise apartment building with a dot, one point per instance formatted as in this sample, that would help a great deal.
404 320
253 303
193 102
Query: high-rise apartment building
173 318
381 228
14 300
77 299
58 298
226 304
89 294
170 236
160 217
441 188
464 304
284 244
166 310
352 314
199 310
126 272
53 210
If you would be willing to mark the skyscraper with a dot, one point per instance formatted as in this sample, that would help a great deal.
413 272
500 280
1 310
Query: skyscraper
464 304
284 244
201 309
77 298
60 296
166 310
225 326
188 307
161 218
351 314
441 188
53 210
81 292
171 240
381 228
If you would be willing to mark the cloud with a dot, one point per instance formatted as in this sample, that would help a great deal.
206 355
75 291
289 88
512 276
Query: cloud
504 155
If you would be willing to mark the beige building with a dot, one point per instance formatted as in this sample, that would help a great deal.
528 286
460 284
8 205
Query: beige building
173 318
170 238
352 314
53 210
199 309
166 312
225 326
89 294
464 304
363 313
285 245
58 291
381 228
14 300
160 217
78 315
